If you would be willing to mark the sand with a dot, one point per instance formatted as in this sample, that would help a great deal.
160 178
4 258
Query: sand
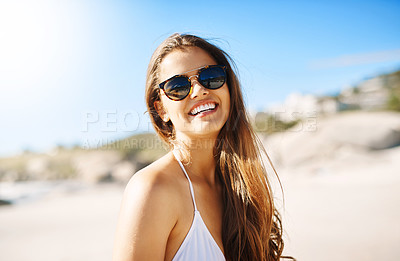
326 218
342 202
61 226
343 218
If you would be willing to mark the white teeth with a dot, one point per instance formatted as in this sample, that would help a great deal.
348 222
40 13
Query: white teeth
203 107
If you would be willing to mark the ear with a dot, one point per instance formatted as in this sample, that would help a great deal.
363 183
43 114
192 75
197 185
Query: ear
161 111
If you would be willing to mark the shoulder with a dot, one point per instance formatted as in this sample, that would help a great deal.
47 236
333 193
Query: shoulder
149 212
155 182
153 186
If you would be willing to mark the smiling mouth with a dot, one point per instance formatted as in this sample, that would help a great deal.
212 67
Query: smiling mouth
203 108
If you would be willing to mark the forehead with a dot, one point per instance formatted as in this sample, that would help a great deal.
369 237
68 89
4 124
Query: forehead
181 61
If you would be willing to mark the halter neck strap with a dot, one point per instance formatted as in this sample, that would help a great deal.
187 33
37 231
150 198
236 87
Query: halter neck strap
187 176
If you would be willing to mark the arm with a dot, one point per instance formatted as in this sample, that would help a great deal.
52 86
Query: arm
146 219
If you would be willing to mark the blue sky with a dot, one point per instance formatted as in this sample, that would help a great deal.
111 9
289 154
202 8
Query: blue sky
73 72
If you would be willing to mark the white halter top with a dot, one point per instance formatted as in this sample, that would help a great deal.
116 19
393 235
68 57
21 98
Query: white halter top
198 245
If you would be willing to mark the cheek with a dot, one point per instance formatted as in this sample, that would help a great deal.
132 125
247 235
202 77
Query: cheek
167 104
173 108
226 98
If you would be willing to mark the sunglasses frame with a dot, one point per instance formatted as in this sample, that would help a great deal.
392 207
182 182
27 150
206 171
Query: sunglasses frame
200 70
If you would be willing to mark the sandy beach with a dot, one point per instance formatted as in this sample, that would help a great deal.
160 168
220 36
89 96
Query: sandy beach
343 218
62 226
342 200
326 218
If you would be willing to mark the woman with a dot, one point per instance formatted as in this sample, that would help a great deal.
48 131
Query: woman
209 198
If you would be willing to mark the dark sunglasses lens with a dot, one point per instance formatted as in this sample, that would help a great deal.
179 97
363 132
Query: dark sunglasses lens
213 77
177 88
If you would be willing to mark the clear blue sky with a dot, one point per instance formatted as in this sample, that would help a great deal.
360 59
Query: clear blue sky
66 63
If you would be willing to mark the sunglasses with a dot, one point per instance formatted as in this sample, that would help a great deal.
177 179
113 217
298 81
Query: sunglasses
179 87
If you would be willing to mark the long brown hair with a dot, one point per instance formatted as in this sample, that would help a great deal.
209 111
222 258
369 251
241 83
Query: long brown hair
252 228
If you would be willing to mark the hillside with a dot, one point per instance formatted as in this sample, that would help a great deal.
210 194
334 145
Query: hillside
113 162
356 142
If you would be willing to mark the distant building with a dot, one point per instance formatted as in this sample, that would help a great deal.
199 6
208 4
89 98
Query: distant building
371 94
327 105
298 106
368 95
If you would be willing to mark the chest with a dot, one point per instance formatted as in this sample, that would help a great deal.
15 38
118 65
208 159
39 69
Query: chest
209 204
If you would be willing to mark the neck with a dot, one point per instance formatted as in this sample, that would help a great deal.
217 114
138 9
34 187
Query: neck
199 162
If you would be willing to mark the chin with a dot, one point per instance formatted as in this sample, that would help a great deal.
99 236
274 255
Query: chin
207 129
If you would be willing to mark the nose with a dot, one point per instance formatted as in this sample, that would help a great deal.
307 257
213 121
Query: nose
198 90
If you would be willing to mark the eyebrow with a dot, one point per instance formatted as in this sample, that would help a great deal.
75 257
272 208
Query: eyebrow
183 74
197 69
193 70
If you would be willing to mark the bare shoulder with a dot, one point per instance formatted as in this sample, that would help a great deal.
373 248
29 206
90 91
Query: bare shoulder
154 182
148 212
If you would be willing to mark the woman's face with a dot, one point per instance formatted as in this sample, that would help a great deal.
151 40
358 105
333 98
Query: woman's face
184 114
